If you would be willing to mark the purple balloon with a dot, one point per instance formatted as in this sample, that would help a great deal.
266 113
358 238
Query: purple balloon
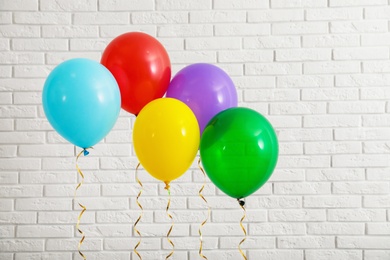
206 89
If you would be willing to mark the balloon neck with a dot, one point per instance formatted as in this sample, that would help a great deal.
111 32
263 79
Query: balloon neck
85 152
167 186
241 201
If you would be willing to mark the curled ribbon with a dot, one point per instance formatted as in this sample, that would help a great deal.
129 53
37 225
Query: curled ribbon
208 212
142 212
170 216
85 153
241 202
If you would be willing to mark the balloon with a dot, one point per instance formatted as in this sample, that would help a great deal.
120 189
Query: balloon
141 66
166 138
206 89
239 151
81 100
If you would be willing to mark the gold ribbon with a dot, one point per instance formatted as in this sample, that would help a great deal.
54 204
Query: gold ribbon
208 212
242 204
167 187
142 212
85 152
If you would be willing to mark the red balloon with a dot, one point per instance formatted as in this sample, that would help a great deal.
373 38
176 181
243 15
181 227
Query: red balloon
141 66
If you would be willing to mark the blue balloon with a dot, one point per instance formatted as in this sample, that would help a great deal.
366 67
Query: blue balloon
81 100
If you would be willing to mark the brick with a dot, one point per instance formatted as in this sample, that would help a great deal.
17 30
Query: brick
112 203
20 5
44 231
332 147
20 191
115 244
334 14
330 94
362 133
40 18
8 164
112 31
302 188
305 135
368 53
193 57
335 228
7 231
334 67
13 31
76 31
272 68
242 29
40 44
301 108
6 205
376 254
363 242
8 151
277 229
379 93
212 43
331 40
298 4
65 217
62 244
332 201
378 228
125 5
254 243
361 188
298 28
245 56
376 147
303 55
68 6
333 254
100 18
197 30
334 174
271 42
360 160
357 215
362 80
217 17
363 26
21 245
297 215
8 177
356 2
331 121
275 15
159 17
21 58
306 242
376 201
44 204
274 254
37 256
18 217
51 177
179 5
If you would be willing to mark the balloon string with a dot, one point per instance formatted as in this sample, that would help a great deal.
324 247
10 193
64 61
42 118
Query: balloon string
241 202
141 214
170 229
85 152
208 212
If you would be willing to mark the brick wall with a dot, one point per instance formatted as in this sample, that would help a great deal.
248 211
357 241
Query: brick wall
319 70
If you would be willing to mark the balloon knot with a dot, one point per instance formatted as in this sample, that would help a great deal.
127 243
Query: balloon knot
85 151
241 202
167 187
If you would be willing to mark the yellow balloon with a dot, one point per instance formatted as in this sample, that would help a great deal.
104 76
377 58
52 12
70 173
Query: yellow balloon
166 138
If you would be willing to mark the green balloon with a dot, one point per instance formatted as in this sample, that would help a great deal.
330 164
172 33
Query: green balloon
239 150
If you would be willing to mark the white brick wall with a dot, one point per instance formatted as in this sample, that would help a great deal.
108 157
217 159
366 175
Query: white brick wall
318 69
